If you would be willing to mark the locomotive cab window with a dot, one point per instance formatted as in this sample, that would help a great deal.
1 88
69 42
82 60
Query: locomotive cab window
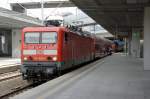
33 37
40 37
49 37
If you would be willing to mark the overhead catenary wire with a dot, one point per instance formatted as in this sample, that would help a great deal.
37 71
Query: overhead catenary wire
60 4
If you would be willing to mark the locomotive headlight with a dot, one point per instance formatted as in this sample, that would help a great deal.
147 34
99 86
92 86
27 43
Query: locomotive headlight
25 58
55 58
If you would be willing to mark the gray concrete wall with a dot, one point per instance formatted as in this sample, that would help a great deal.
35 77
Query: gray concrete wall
16 43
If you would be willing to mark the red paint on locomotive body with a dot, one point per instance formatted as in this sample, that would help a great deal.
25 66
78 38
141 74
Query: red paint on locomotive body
39 55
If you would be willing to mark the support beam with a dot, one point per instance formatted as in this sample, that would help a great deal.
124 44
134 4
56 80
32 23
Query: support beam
147 38
19 9
135 44
48 4
129 44
16 43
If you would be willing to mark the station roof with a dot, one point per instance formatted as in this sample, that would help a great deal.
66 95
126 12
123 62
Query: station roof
119 16
104 34
47 4
11 19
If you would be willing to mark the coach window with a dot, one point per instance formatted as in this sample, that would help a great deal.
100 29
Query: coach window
66 37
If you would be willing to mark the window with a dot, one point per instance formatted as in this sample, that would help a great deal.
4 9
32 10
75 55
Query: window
40 37
49 37
32 37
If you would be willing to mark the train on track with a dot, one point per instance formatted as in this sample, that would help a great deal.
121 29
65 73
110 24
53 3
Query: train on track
118 45
47 51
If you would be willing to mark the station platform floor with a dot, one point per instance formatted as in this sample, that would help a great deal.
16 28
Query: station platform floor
114 77
6 61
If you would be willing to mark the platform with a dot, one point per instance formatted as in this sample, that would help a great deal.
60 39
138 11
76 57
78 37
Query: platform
9 61
114 77
9 64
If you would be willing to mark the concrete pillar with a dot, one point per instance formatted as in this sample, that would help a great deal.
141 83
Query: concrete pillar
129 44
135 44
16 43
147 38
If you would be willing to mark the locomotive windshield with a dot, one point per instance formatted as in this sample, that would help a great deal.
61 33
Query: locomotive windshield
32 37
49 37
40 37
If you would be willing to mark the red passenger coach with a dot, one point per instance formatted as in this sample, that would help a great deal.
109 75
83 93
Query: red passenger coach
102 47
49 50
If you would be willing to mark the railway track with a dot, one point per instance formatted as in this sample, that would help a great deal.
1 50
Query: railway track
16 91
9 75
11 83
19 89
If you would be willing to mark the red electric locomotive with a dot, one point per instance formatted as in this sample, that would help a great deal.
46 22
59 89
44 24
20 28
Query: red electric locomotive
49 50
